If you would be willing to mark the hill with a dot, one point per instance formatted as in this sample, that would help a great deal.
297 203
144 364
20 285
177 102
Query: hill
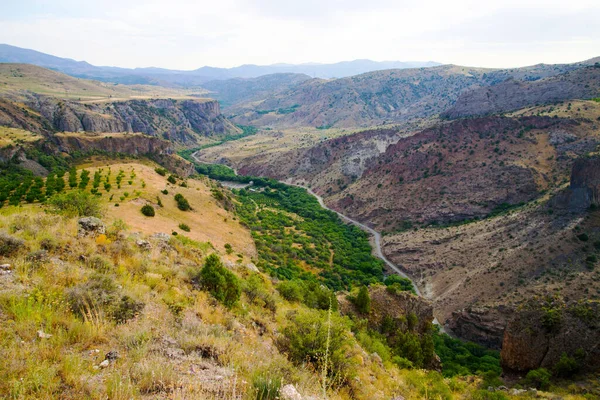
194 78
513 94
15 78
382 97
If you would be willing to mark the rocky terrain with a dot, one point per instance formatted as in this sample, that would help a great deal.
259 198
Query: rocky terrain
185 122
380 97
515 94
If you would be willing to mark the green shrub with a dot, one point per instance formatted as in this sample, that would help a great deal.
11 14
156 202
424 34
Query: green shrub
363 300
538 378
306 337
172 179
583 237
566 366
184 227
161 171
76 203
182 202
228 248
126 309
148 210
266 387
291 290
220 282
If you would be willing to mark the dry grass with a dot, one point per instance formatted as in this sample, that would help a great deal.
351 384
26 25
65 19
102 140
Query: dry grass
14 136
18 77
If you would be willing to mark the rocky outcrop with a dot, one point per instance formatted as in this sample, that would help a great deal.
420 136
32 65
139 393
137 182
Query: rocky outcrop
514 94
539 335
157 149
483 325
132 144
396 309
183 121
584 190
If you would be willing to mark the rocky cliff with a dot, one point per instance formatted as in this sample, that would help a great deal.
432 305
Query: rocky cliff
182 121
131 144
584 190
548 328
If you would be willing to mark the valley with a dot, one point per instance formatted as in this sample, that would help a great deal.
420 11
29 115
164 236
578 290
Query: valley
251 236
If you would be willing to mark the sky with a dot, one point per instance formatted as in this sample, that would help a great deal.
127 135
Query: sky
188 34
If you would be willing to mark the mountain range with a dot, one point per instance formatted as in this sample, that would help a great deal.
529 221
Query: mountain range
178 78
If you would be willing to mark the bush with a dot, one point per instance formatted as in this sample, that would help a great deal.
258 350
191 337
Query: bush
566 366
291 290
161 171
182 202
184 227
228 248
267 388
76 203
148 210
221 283
305 339
363 301
9 244
126 309
538 378
172 179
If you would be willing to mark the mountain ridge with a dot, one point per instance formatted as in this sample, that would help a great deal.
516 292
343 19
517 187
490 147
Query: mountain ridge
163 76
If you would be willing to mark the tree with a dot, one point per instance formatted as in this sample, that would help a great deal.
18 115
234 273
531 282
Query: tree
77 202
72 178
182 202
363 300
222 284
148 210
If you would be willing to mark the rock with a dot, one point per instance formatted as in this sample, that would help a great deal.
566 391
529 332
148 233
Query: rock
503 388
584 190
530 342
42 335
229 264
482 325
252 267
377 359
111 355
398 397
4 267
104 364
560 137
143 244
90 226
163 237
289 392
516 392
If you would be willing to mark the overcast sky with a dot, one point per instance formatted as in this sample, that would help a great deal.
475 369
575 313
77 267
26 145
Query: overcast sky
187 34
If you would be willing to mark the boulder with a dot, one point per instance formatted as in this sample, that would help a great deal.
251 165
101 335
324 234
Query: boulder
289 392
90 226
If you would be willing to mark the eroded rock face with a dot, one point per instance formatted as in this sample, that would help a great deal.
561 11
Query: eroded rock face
584 190
539 335
483 325
183 121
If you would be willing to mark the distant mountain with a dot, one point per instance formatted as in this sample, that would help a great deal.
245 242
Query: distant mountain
233 91
166 77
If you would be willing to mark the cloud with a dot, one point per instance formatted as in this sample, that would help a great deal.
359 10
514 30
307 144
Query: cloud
187 34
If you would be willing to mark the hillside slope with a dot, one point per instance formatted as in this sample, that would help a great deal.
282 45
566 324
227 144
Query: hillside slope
380 97
513 94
